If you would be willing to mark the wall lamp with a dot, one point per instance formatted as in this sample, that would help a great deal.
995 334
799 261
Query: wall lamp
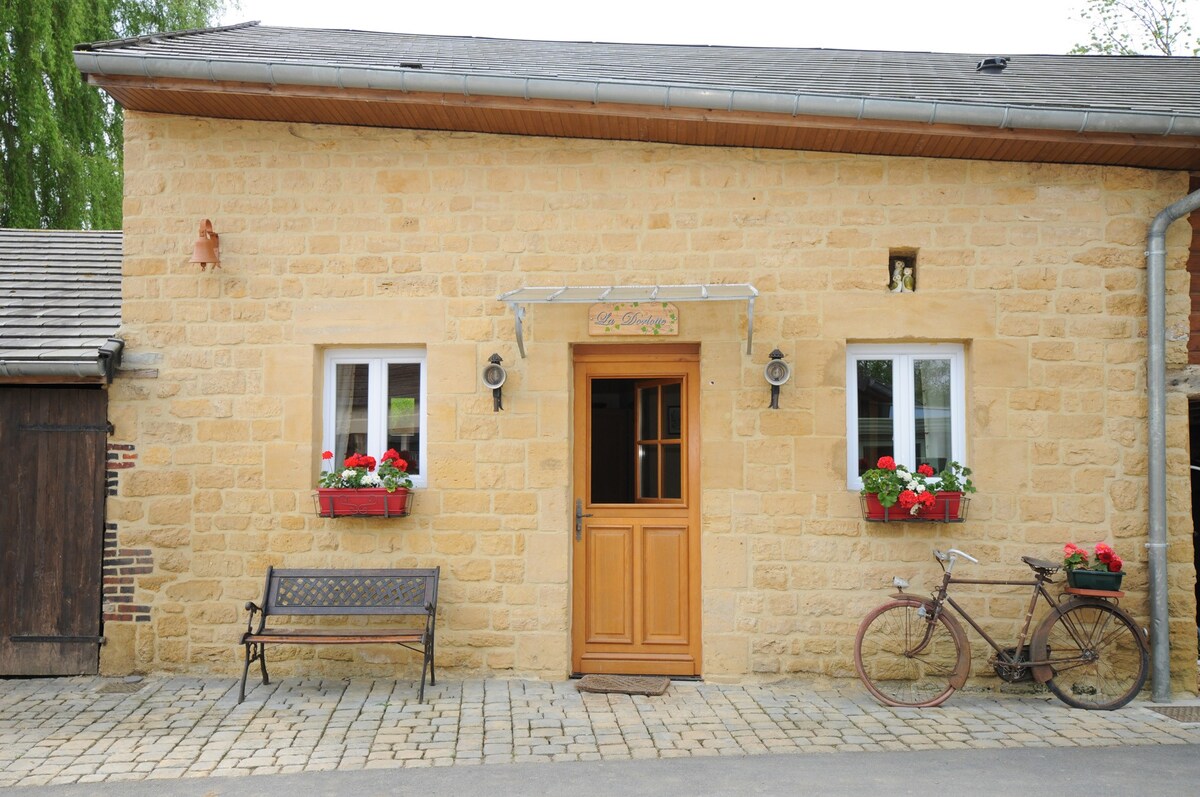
494 377
776 373
207 248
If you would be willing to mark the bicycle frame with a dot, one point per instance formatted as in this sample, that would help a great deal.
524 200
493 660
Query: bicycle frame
1039 590
942 598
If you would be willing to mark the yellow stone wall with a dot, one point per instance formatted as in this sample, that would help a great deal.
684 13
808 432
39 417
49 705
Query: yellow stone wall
342 236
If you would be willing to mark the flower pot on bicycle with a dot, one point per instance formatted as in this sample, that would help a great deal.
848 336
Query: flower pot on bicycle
1095 579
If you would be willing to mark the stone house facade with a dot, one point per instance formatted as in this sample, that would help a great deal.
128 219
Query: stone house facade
367 237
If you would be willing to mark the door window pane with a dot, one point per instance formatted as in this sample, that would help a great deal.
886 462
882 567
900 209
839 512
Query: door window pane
612 441
649 421
648 455
672 471
672 413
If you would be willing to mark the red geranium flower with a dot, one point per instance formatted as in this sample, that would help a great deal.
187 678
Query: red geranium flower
886 463
925 470
326 455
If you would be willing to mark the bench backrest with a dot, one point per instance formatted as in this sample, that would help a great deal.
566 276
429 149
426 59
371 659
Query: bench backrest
315 591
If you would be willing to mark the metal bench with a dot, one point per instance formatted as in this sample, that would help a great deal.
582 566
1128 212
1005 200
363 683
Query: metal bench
411 592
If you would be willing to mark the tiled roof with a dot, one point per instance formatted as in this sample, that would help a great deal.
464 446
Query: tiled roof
1137 84
60 293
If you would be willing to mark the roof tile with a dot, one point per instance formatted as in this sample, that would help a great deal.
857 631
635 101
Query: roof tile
60 293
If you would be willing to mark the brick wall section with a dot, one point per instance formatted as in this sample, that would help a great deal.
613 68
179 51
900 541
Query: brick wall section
122 565
340 236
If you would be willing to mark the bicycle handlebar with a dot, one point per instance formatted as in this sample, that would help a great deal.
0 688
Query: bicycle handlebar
964 555
951 554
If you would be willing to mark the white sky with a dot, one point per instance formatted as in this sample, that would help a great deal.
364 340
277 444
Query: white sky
994 27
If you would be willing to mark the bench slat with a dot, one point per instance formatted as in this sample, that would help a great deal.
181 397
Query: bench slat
333 637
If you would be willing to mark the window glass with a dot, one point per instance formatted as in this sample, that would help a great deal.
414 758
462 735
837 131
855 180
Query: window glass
350 410
874 412
907 402
375 400
931 408
404 412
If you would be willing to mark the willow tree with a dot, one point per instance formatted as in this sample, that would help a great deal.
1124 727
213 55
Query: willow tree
60 139
1137 27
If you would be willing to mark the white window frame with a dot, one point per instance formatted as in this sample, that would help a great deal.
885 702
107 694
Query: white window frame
377 361
903 355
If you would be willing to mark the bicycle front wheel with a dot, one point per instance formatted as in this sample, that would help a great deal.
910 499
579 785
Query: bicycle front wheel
1098 656
905 659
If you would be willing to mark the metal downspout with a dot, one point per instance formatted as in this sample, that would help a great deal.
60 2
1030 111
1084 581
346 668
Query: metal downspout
1156 333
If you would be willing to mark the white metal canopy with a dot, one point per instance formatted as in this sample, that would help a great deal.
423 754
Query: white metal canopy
589 294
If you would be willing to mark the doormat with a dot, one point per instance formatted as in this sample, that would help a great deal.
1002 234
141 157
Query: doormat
1179 713
624 684
120 687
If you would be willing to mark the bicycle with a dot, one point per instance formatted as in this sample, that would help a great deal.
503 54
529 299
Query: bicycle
912 652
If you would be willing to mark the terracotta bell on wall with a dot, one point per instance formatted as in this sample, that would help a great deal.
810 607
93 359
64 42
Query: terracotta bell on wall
207 248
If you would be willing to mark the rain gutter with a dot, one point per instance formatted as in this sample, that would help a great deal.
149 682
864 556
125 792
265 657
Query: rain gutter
1156 381
294 73
100 368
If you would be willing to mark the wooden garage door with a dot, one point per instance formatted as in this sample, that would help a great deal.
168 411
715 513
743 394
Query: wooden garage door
52 452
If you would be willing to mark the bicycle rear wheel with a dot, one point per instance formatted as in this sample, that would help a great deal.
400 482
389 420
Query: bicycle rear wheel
1099 658
903 660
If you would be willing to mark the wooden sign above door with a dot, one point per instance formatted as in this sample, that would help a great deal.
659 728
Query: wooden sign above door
633 318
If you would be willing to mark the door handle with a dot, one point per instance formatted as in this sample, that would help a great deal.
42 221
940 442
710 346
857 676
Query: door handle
579 516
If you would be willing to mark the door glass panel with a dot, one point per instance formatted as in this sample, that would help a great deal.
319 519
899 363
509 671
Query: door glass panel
613 443
672 471
672 412
874 412
649 462
636 440
649 425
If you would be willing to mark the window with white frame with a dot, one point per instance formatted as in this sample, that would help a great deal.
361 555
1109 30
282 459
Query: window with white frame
906 401
375 400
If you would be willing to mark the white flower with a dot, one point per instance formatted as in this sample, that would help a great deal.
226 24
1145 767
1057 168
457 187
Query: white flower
373 480
348 473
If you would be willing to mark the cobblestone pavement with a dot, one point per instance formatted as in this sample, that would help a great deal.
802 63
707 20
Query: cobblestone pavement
68 730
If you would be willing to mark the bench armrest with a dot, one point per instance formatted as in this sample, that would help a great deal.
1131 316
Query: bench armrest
254 608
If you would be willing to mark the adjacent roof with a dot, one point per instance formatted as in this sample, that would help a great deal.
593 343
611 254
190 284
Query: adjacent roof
60 304
772 97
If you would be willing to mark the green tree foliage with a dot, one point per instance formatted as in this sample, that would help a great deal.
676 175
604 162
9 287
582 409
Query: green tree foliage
1138 27
60 139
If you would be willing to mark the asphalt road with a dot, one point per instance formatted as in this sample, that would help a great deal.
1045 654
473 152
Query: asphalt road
1144 771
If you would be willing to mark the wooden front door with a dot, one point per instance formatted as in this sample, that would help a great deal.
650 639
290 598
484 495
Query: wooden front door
52 490
636 547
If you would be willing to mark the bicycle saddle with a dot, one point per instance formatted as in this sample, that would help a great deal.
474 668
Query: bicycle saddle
1041 565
